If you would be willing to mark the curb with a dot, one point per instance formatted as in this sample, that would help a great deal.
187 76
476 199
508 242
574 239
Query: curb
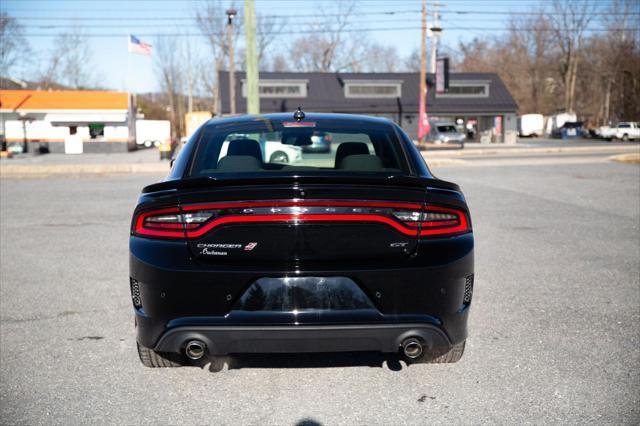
441 162
633 158
25 170
537 150
434 158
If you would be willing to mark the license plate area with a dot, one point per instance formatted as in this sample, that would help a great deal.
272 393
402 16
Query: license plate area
303 294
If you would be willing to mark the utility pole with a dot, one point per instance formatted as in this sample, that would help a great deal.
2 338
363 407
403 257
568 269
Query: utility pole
253 95
423 73
231 13
189 77
435 32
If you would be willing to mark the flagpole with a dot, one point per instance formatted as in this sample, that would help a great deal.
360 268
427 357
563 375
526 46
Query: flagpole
131 120
128 79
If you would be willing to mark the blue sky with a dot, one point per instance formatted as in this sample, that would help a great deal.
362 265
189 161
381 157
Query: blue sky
144 18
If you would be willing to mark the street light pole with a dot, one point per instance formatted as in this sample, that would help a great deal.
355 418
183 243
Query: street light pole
231 13
252 84
423 74
436 32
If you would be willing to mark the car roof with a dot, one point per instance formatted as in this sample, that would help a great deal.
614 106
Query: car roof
309 116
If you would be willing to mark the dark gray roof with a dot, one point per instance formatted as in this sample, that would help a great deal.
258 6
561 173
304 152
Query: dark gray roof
326 94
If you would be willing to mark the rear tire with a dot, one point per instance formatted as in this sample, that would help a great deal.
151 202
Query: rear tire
625 137
152 359
453 355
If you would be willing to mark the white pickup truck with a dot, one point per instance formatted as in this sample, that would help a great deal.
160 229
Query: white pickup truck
627 131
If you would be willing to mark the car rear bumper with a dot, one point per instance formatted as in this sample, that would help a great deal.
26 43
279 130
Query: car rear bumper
222 340
184 299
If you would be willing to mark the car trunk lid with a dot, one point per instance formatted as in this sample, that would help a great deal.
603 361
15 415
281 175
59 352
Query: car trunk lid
297 222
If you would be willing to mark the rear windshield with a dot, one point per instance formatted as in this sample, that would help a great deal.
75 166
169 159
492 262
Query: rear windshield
447 129
267 147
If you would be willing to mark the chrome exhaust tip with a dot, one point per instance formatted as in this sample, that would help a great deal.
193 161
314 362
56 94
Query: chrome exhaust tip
412 348
195 349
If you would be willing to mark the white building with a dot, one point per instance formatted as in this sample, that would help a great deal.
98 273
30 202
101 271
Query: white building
41 119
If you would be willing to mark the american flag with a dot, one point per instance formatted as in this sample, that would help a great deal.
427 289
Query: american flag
138 46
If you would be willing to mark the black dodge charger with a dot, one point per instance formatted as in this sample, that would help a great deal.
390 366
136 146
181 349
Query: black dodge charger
359 249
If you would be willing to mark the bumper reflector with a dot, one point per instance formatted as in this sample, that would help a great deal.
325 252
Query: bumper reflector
135 293
468 290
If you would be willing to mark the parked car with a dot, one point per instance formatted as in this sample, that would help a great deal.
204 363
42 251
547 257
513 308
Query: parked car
445 133
231 254
570 130
320 142
606 132
271 150
531 125
627 131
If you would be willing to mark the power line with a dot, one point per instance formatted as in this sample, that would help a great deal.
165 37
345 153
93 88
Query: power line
164 25
110 35
174 18
464 13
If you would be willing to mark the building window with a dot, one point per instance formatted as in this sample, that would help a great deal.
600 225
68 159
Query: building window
372 89
96 131
279 88
466 89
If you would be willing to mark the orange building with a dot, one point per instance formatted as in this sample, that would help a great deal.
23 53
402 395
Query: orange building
101 119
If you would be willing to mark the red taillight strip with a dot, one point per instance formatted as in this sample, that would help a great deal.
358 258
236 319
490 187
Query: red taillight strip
314 203
462 227
142 230
300 218
440 227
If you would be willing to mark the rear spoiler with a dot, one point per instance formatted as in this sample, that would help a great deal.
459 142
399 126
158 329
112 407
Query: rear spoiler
212 182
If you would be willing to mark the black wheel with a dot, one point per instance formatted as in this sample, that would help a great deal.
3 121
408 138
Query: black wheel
625 137
279 157
438 357
152 359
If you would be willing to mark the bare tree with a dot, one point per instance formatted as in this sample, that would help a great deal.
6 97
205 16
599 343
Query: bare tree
616 57
69 62
411 62
549 61
168 65
212 20
13 46
531 40
268 30
569 21
279 63
331 48
380 58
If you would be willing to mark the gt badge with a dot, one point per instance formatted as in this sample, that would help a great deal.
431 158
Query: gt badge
398 244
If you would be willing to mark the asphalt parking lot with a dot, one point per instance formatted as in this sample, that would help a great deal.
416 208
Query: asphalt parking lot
554 332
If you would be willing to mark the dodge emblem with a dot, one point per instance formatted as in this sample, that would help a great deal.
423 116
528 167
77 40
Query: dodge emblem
250 246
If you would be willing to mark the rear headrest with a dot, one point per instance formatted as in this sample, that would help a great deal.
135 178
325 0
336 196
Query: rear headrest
239 163
362 163
349 148
245 147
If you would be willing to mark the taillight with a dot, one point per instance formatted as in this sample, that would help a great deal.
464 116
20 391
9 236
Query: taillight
434 220
170 222
193 221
